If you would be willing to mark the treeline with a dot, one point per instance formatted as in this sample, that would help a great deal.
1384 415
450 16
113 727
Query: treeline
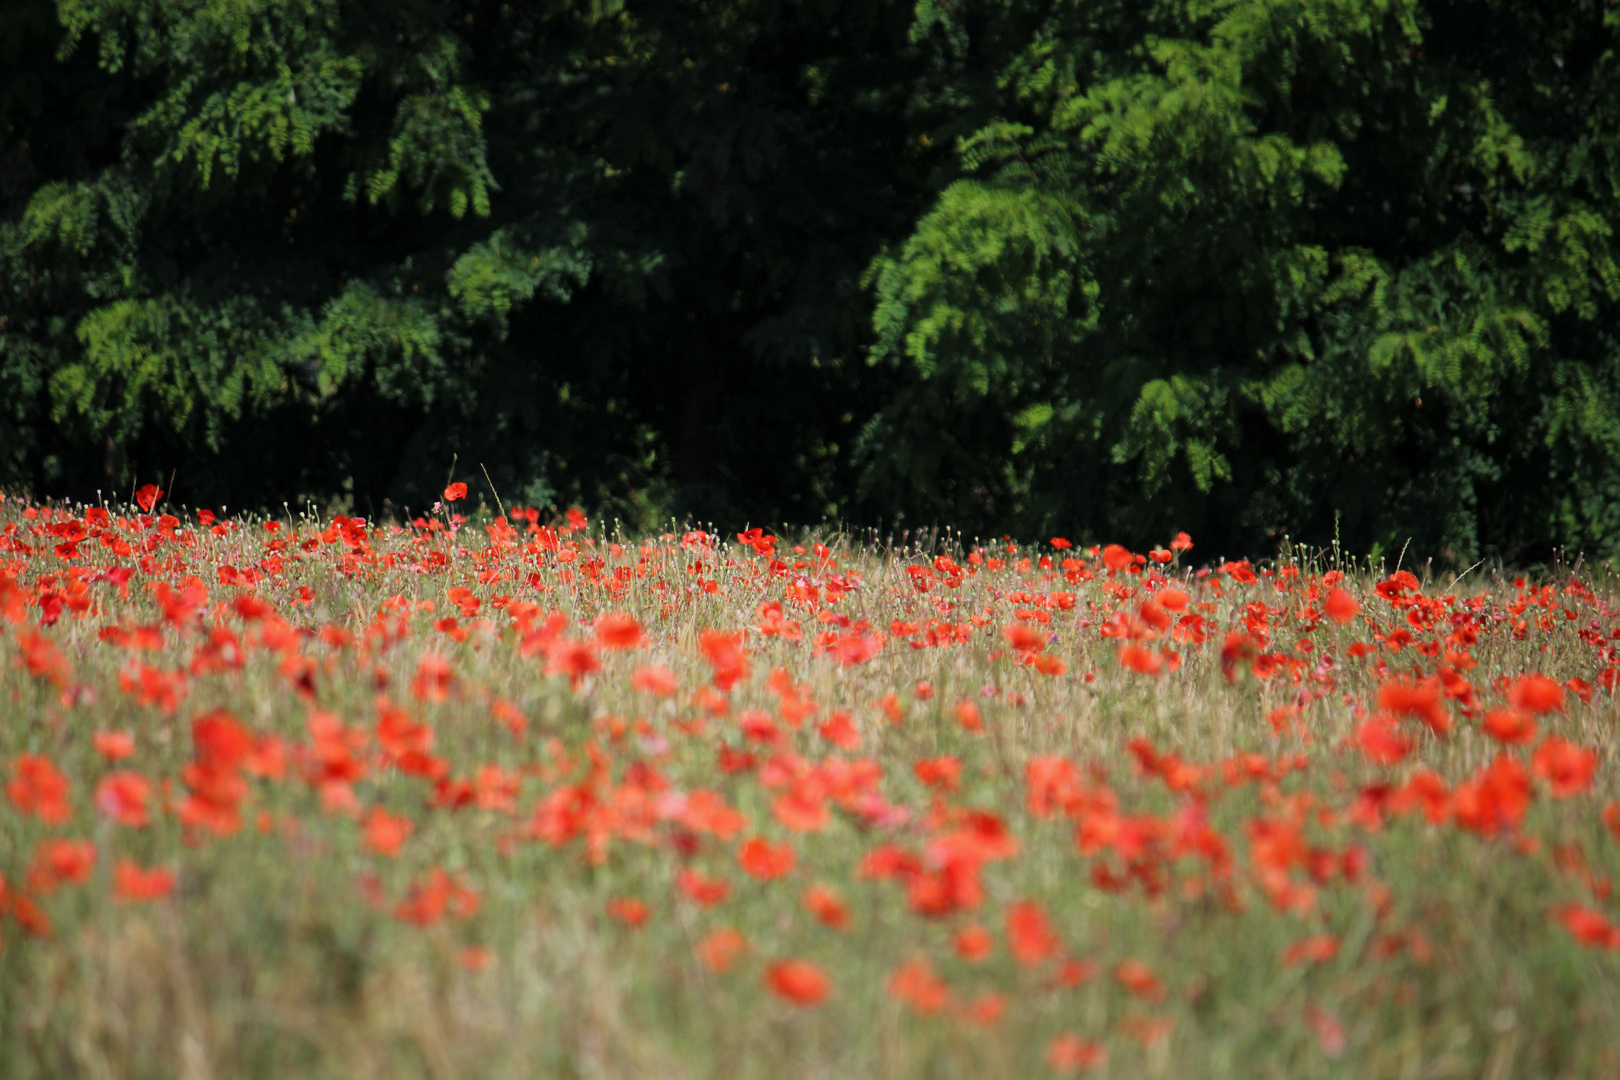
1104 268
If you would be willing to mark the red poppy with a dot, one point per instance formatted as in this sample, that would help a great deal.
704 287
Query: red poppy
37 787
147 496
721 947
1495 800
1143 661
576 659
839 729
114 745
827 906
1238 650
658 681
1116 557
1588 927
455 492
616 630
61 862
725 655
122 796
1068 1053
942 772
131 884
799 982
765 861
1422 701
915 983
1023 637
704 891
385 834
1512 726
631 912
1029 934
1318 949
433 679
1339 605
1173 599
1139 979
1567 768
1536 694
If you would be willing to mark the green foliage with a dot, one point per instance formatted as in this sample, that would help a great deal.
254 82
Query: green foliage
1247 267
315 248
1343 263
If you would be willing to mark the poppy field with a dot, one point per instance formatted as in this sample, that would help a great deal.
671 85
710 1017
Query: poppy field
512 795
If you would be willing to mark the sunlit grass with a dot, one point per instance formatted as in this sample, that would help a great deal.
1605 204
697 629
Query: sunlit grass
518 799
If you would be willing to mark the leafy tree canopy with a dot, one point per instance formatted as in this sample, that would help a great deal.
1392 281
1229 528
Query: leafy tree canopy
1107 268
1262 266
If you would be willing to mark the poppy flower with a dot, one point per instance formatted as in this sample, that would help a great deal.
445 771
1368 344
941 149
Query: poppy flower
1512 726
1567 768
1068 1053
1536 694
799 982
1238 650
1023 637
974 943
1143 661
1495 800
616 630
765 861
703 891
1339 605
1116 557
1139 979
1588 927
1328 1029
114 745
131 884
631 912
1047 664
827 906
122 796
987 1009
725 655
37 787
1029 934
384 833
61 862
1318 949
1422 701
576 659
657 681
915 984
720 947
1172 599
839 729
147 496
433 679
455 492
857 647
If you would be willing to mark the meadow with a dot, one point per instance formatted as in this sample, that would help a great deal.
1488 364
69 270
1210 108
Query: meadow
512 795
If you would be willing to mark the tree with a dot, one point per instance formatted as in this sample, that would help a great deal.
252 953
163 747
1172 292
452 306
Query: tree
612 251
1341 267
